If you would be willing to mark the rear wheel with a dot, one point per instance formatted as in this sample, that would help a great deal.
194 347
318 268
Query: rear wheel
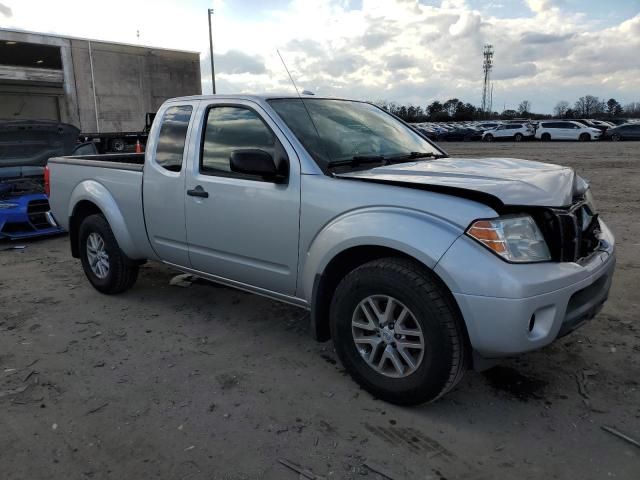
517 137
585 137
545 137
106 266
397 332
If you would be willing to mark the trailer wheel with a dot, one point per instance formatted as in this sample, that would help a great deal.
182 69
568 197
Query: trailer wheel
118 145
106 266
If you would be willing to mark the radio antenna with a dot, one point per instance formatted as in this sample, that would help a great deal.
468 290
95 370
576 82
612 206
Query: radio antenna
298 92
290 76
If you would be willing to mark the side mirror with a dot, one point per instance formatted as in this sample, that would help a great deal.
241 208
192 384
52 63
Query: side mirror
253 161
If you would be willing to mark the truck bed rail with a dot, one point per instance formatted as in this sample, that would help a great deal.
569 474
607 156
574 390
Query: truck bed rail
121 161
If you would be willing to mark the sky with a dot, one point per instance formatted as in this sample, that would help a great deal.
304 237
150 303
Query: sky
407 51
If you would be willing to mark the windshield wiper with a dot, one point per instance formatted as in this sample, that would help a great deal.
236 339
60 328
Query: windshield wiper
414 155
358 160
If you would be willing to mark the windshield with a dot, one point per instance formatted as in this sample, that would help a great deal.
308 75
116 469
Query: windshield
343 130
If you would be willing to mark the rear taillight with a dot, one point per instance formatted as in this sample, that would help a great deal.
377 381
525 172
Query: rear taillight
47 185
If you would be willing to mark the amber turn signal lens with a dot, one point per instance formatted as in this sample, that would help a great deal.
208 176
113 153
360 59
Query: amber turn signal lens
515 238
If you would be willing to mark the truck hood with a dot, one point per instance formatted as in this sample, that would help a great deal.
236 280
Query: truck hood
496 181
30 143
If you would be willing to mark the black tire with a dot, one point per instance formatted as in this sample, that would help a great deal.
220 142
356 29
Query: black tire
118 145
518 137
616 137
585 137
445 355
122 274
545 137
488 138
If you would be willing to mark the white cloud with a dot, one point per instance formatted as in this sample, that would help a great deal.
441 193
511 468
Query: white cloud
5 11
540 6
399 50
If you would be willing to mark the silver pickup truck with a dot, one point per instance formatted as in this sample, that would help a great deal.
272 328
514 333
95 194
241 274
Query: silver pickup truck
417 265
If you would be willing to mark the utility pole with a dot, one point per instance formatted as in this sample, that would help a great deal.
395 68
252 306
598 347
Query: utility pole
487 65
213 72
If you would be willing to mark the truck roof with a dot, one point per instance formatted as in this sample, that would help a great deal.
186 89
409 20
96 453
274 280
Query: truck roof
252 97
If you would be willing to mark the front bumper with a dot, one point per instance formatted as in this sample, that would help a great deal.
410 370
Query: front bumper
31 217
535 304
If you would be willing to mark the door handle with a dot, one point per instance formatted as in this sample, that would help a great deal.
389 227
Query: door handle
198 192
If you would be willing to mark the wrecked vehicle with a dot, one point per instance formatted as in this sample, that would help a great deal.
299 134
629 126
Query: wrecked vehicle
25 147
416 265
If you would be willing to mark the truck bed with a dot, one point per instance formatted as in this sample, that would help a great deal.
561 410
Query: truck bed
114 183
120 161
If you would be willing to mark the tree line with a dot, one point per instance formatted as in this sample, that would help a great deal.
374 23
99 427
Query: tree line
588 106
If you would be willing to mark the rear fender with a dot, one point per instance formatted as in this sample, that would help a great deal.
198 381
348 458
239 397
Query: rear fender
96 193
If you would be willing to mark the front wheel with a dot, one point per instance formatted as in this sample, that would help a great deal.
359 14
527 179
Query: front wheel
616 137
545 137
517 137
106 266
585 137
488 138
397 332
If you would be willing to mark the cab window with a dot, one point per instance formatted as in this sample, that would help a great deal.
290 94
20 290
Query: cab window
231 128
172 137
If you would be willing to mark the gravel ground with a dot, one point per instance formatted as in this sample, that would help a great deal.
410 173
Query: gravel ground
206 382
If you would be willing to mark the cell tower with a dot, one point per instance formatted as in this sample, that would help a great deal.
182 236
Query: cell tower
487 65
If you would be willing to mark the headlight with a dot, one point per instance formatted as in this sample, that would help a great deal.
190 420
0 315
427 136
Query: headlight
516 238
7 205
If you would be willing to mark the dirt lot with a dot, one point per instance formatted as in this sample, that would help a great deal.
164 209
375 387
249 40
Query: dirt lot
206 382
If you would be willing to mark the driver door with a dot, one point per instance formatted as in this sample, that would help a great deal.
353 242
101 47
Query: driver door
241 227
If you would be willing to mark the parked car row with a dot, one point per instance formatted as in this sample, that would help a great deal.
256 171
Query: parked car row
519 130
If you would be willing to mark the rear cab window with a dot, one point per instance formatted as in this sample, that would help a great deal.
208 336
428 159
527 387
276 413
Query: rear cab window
172 137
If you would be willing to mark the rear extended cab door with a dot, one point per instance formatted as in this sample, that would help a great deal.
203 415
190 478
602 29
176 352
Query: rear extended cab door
164 181
245 229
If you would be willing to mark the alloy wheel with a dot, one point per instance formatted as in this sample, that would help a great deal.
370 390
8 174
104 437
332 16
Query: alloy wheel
388 336
97 255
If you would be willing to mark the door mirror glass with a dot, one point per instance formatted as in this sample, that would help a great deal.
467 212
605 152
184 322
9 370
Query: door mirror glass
253 161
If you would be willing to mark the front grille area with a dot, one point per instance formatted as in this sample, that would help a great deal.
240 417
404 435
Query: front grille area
37 213
572 233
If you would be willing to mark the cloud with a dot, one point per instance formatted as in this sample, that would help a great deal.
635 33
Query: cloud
341 64
399 50
540 38
5 11
541 6
399 62
505 72
308 46
236 62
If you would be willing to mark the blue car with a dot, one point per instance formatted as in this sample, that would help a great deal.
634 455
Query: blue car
26 216
25 147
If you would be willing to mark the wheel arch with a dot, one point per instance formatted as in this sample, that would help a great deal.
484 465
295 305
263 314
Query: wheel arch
91 197
362 235
347 260
82 210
